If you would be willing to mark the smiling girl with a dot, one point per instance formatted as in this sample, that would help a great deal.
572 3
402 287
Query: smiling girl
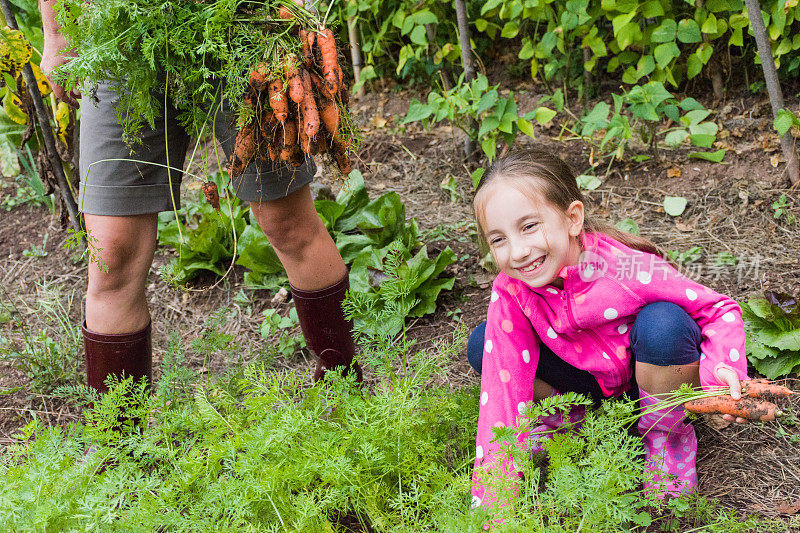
581 306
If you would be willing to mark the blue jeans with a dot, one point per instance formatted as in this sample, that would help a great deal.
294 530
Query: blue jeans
663 334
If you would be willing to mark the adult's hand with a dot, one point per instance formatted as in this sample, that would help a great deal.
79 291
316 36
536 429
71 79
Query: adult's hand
53 56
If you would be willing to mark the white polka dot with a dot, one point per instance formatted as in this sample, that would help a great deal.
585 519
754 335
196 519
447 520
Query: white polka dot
734 354
691 294
488 346
702 357
644 277
495 296
479 452
526 356
484 398
610 313
521 408
728 317
552 333
606 355
476 502
551 290
622 329
719 304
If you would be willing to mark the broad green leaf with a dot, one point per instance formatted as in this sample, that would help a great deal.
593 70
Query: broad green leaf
628 225
693 66
704 52
418 36
588 182
488 124
510 30
652 9
674 205
665 53
418 111
665 32
645 66
628 34
527 49
476 176
544 115
783 122
689 31
716 157
526 127
489 146
676 137
690 104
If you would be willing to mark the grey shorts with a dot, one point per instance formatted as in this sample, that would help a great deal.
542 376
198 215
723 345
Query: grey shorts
111 184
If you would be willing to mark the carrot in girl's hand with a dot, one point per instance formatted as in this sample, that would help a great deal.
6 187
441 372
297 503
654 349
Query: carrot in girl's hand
285 14
329 113
277 100
244 149
321 88
748 408
289 140
755 388
330 60
307 39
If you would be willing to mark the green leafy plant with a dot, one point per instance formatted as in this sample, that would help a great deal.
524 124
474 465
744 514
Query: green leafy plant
281 328
780 208
49 356
772 323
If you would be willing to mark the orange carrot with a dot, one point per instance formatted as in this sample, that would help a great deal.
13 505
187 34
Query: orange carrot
321 88
277 100
308 108
755 388
289 138
330 59
259 77
748 408
307 39
339 151
243 151
329 113
293 79
212 193
284 13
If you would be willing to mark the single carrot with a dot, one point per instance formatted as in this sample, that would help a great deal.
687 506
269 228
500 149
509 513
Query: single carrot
289 140
755 388
329 113
330 59
748 408
284 13
293 78
259 77
307 39
339 151
268 126
243 151
277 100
321 88
310 124
212 193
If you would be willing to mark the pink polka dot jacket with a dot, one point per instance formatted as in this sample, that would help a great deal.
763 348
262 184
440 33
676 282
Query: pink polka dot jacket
587 325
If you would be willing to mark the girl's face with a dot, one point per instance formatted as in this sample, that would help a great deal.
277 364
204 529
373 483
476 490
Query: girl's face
530 239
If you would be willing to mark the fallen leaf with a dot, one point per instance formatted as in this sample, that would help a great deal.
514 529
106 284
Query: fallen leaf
280 297
717 422
775 160
788 508
674 172
378 121
680 226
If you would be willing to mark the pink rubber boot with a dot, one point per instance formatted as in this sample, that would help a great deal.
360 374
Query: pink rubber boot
670 448
550 424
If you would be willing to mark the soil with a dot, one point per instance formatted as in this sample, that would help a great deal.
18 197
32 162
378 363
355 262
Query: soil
729 211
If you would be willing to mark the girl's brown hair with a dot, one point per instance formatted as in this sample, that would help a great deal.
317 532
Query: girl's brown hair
538 173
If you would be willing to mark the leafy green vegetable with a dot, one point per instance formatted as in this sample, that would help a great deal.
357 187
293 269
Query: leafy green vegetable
773 334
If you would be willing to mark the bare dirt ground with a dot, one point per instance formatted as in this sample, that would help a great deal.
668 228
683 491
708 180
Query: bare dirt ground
752 469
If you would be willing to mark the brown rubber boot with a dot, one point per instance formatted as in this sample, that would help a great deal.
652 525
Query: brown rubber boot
128 354
328 334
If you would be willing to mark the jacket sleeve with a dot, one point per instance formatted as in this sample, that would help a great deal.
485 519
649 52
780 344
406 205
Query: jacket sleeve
719 317
510 356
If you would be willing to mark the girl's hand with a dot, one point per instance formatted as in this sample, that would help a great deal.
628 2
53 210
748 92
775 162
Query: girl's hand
732 380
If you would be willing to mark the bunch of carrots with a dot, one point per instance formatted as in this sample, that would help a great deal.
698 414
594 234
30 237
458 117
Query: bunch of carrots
297 104
752 405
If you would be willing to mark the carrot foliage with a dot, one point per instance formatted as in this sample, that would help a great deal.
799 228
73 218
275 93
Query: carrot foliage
196 52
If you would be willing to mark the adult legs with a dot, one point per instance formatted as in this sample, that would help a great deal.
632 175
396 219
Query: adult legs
117 326
317 275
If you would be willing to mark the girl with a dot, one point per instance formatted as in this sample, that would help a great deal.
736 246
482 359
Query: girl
580 306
